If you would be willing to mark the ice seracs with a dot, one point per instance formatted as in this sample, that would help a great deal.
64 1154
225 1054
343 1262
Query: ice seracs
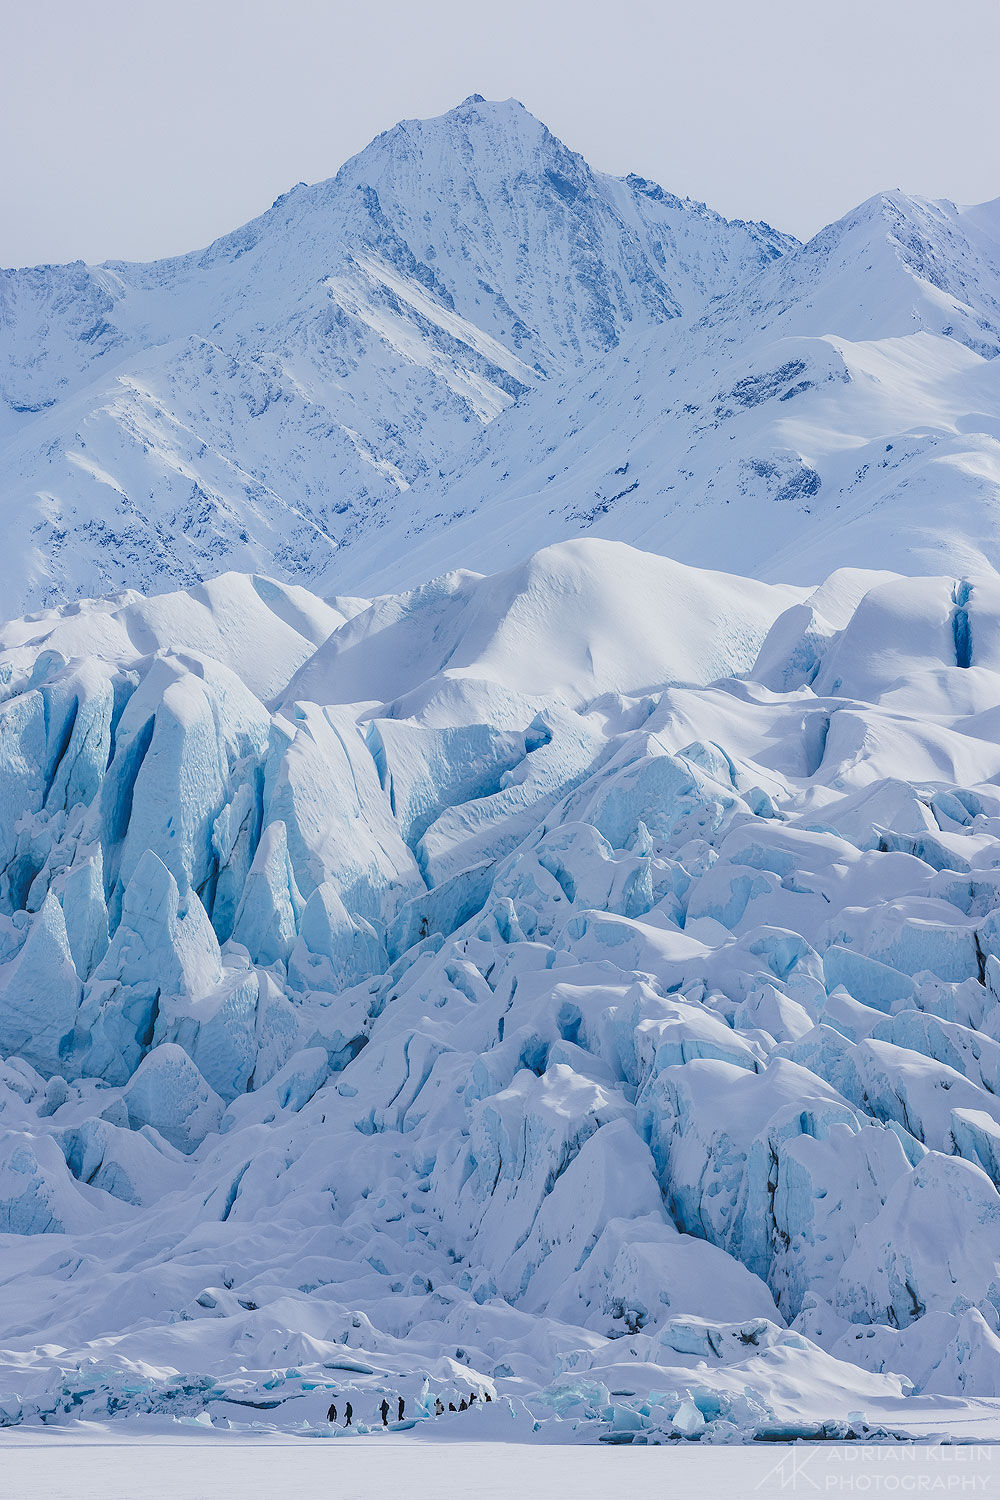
611 1026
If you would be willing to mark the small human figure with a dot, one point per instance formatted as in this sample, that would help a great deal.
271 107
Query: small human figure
438 1407
384 1409
401 1404
348 1414
331 1415
463 1405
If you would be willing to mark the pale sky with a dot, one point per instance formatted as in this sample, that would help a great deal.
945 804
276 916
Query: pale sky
137 128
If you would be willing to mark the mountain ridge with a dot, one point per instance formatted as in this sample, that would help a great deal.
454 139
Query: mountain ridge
345 343
371 380
813 417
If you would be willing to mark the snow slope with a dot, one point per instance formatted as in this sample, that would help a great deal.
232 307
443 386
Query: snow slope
259 404
840 408
577 984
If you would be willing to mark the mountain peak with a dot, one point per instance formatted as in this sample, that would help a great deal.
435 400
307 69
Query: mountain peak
924 261
510 107
503 121
306 368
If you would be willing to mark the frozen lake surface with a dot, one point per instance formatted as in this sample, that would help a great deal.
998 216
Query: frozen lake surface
98 1467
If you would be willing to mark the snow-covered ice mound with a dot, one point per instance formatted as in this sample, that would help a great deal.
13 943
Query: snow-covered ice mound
579 986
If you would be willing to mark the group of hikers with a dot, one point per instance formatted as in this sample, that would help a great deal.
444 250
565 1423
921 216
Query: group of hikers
385 1408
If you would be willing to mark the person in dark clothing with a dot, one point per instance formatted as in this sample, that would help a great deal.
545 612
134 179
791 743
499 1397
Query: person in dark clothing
331 1415
401 1404
384 1409
348 1414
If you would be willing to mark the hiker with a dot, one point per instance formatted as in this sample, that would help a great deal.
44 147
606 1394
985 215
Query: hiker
348 1414
331 1415
402 1407
438 1407
384 1409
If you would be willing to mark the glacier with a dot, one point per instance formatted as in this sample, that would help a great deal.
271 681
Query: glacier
577 984
499 815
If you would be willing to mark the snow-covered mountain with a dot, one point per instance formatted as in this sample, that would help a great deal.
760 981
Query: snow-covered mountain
467 344
258 405
578 985
841 408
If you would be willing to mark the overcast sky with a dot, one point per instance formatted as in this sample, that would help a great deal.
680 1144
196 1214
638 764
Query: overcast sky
139 128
